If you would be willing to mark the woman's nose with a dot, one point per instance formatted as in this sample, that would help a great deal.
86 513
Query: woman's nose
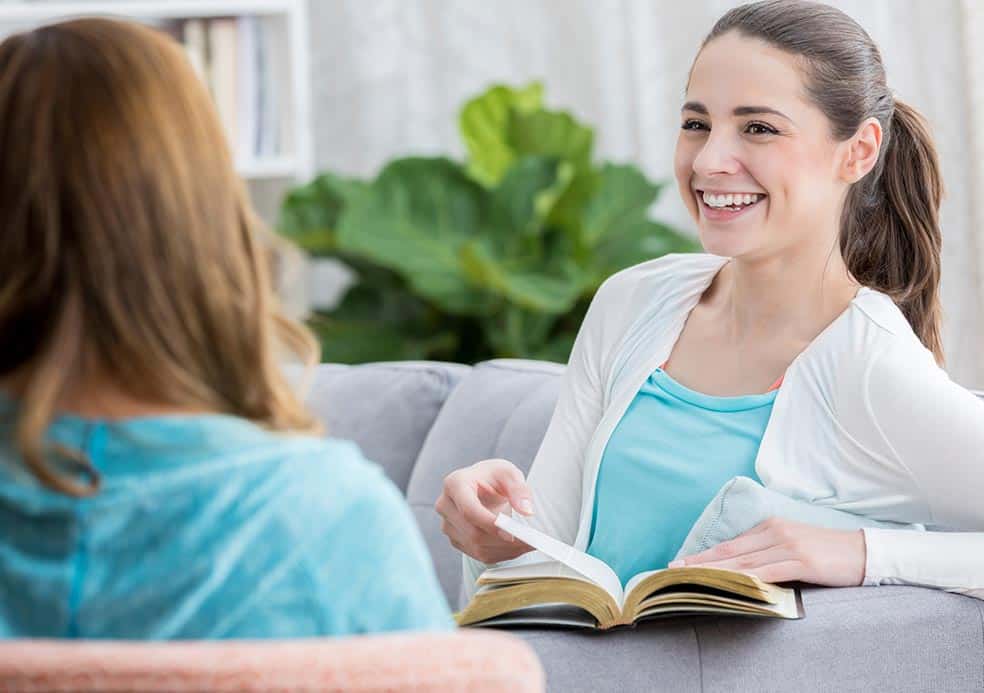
718 155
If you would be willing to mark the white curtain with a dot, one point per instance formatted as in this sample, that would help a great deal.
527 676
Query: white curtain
390 75
973 45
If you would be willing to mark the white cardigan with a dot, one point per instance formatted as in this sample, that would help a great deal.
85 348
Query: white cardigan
865 421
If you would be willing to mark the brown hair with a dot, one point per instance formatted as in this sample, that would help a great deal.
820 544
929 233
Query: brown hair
890 235
127 247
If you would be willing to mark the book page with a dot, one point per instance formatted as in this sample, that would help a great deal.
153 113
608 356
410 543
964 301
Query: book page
590 567
532 571
636 579
728 575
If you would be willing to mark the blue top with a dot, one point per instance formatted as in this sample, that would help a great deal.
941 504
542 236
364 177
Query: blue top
208 526
671 452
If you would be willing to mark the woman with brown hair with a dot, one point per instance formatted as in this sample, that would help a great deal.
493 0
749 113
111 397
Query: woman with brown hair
158 476
801 352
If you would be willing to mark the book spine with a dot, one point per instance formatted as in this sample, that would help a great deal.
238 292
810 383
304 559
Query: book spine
194 40
224 54
282 117
247 88
269 123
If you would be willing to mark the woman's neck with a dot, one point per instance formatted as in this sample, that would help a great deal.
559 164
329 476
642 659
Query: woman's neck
791 295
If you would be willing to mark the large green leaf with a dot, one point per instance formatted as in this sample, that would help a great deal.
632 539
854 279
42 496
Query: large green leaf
483 124
414 219
551 133
515 332
557 134
528 284
635 241
381 294
309 214
528 194
622 197
504 124
568 213
346 341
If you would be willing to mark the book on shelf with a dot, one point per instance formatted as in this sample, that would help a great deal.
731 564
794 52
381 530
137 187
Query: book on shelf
223 54
279 113
267 100
248 85
245 63
195 40
570 588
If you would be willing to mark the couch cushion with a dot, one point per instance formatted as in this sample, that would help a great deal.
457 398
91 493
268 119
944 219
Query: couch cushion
661 656
853 639
890 638
386 408
500 409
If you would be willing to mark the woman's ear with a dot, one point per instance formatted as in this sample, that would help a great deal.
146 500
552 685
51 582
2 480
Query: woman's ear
862 151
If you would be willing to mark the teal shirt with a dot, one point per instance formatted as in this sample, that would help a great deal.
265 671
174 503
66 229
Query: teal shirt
208 526
671 452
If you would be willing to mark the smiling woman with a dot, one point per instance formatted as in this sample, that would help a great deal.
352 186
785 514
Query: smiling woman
816 195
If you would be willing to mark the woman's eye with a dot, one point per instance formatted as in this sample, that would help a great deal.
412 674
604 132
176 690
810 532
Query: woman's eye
751 128
762 129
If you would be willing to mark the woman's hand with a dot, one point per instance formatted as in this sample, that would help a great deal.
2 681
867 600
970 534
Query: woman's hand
470 501
778 550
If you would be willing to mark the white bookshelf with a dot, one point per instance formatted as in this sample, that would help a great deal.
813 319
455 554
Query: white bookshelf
289 15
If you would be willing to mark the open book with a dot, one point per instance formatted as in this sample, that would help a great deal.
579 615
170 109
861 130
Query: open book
575 589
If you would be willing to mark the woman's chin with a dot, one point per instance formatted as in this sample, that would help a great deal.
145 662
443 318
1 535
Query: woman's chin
724 243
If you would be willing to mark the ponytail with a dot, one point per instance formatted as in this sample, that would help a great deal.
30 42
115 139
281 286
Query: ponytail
890 232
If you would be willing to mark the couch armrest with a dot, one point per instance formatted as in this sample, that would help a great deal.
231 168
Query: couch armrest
463 661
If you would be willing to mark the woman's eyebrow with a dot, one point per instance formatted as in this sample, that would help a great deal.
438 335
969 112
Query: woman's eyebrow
698 107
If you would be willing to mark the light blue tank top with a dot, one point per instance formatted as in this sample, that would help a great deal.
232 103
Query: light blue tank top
208 526
671 452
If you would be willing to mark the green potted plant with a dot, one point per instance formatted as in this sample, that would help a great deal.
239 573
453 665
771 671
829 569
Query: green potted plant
497 256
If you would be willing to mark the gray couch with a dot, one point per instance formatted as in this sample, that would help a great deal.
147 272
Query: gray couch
420 420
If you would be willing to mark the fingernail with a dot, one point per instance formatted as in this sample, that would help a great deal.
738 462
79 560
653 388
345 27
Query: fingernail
675 564
506 536
526 506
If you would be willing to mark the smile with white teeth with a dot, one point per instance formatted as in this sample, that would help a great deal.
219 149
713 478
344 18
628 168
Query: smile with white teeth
731 200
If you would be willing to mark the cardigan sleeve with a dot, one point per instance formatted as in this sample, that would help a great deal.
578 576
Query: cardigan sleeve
953 561
935 430
555 474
